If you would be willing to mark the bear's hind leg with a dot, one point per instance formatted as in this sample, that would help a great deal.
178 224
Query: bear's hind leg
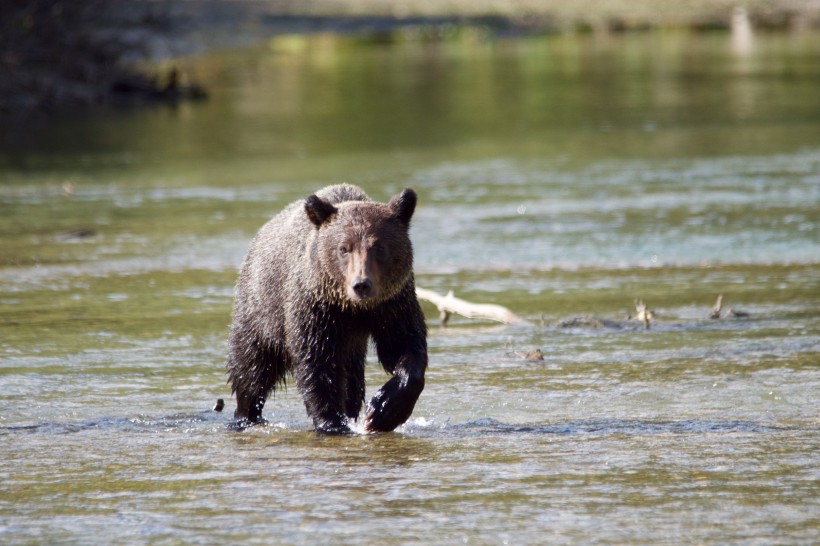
253 374
249 407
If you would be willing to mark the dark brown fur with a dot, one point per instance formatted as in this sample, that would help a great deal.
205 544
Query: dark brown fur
320 279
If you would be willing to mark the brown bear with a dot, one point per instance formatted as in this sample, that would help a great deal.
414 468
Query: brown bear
320 279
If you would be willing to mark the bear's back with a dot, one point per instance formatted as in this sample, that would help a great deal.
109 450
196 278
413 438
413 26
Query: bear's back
341 193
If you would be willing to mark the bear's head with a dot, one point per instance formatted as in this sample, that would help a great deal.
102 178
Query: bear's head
364 247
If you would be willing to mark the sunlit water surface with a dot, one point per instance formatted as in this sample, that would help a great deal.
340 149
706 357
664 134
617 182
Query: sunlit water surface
561 177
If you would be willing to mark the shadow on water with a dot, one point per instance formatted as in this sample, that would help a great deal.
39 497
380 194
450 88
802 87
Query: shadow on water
189 422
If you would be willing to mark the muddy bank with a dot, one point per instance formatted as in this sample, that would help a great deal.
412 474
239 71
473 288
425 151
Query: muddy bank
61 54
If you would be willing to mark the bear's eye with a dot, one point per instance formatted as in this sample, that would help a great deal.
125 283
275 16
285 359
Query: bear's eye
344 250
379 249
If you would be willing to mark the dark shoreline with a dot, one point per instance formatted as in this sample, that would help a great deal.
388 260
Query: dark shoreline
61 55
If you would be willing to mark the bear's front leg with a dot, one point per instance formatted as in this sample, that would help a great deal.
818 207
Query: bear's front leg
323 385
394 402
329 363
401 343
322 378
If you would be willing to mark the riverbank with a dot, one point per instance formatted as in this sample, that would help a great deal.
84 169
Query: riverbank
561 15
60 55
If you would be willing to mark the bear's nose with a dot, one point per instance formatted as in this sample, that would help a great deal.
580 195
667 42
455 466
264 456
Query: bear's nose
362 287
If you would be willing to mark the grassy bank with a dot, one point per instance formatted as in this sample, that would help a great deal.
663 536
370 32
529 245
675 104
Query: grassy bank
59 54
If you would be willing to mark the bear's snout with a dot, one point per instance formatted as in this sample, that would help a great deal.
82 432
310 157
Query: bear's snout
362 274
362 287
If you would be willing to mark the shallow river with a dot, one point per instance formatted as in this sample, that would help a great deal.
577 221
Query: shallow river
562 177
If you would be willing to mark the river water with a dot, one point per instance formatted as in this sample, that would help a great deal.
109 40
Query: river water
563 177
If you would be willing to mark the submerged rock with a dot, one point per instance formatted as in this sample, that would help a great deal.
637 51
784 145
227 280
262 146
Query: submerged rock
533 355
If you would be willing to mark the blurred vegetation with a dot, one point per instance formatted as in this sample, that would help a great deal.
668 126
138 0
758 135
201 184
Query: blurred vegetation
566 14
55 54
58 54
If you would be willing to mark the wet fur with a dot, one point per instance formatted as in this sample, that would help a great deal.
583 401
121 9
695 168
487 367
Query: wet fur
299 310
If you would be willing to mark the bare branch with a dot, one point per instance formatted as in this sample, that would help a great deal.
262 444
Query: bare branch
451 304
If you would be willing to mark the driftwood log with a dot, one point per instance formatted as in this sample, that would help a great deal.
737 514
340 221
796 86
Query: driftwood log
450 304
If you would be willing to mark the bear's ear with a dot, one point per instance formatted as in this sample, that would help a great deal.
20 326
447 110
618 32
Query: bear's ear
318 210
403 205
